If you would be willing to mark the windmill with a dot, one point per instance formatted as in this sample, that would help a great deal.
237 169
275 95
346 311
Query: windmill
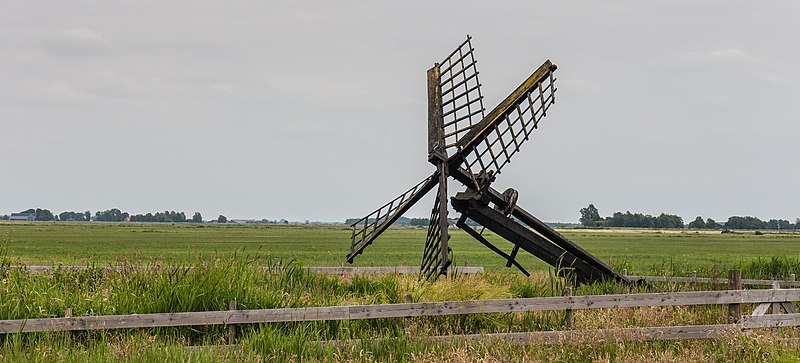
471 146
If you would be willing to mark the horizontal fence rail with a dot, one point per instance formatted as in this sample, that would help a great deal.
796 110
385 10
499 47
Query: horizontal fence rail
716 280
330 270
356 312
561 336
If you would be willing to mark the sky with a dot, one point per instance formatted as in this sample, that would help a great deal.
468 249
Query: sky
317 110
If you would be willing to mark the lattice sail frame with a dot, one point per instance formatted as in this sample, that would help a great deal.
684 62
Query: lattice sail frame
436 255
365 230
460 94
494 147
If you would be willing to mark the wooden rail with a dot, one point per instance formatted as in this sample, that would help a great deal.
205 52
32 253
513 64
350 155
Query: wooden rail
716 280
330 270
355 312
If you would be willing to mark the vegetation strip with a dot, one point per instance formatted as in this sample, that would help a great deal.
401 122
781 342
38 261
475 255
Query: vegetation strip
356 312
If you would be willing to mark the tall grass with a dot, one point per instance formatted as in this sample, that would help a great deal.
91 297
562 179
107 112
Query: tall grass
778 268
257 281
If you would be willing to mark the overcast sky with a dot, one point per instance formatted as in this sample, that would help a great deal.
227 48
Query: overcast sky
317 110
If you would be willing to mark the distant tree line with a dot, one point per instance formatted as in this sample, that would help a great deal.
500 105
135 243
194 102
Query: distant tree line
111 215
746 222
590 217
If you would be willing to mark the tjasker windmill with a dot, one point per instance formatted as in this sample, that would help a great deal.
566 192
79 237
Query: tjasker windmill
471 146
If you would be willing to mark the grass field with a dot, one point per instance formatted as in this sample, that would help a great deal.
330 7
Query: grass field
671 252
218 277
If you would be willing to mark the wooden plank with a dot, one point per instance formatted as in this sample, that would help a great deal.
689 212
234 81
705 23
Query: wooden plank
771 321
573 302
568 336
331 270
716 280
761 309
625 334
359 270
735 309
399 310
174 319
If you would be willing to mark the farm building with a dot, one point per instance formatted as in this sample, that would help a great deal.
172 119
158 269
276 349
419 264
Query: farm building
22 217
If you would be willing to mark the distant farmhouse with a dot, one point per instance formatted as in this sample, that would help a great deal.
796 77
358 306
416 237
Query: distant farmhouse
22 217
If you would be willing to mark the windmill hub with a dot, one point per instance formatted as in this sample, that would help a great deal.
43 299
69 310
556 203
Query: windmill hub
471 146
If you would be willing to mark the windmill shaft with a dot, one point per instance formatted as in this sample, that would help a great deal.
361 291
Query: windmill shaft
470 204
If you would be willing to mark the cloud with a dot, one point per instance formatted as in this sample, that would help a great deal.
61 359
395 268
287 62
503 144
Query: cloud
79 42
732 62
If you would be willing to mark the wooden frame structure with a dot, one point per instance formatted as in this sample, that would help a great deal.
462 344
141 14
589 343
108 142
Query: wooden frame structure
471 146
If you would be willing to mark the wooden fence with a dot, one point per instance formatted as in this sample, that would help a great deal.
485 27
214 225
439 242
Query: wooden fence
776 298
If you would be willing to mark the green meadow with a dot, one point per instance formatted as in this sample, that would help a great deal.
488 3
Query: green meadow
669 251
227 263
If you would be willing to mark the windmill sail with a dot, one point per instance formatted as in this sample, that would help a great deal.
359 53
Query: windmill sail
436 255
490 144
367 229
460 94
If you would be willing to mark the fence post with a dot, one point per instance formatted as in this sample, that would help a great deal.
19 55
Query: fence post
693 283
568 316
625 272
776 306
792 277
407 298
232 327
68 314
734 283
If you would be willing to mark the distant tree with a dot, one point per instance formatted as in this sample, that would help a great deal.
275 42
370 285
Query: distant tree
778 224
73 216
87 216
669 221
222 219
44 215
697 223
4 217
712 224
111 215
747 222
197 218
164 217
590 216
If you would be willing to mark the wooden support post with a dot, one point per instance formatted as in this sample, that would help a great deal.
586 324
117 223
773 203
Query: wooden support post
693 283
407 298
734 283
232 327
625 272
568 317
776 306
792 277
68 314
